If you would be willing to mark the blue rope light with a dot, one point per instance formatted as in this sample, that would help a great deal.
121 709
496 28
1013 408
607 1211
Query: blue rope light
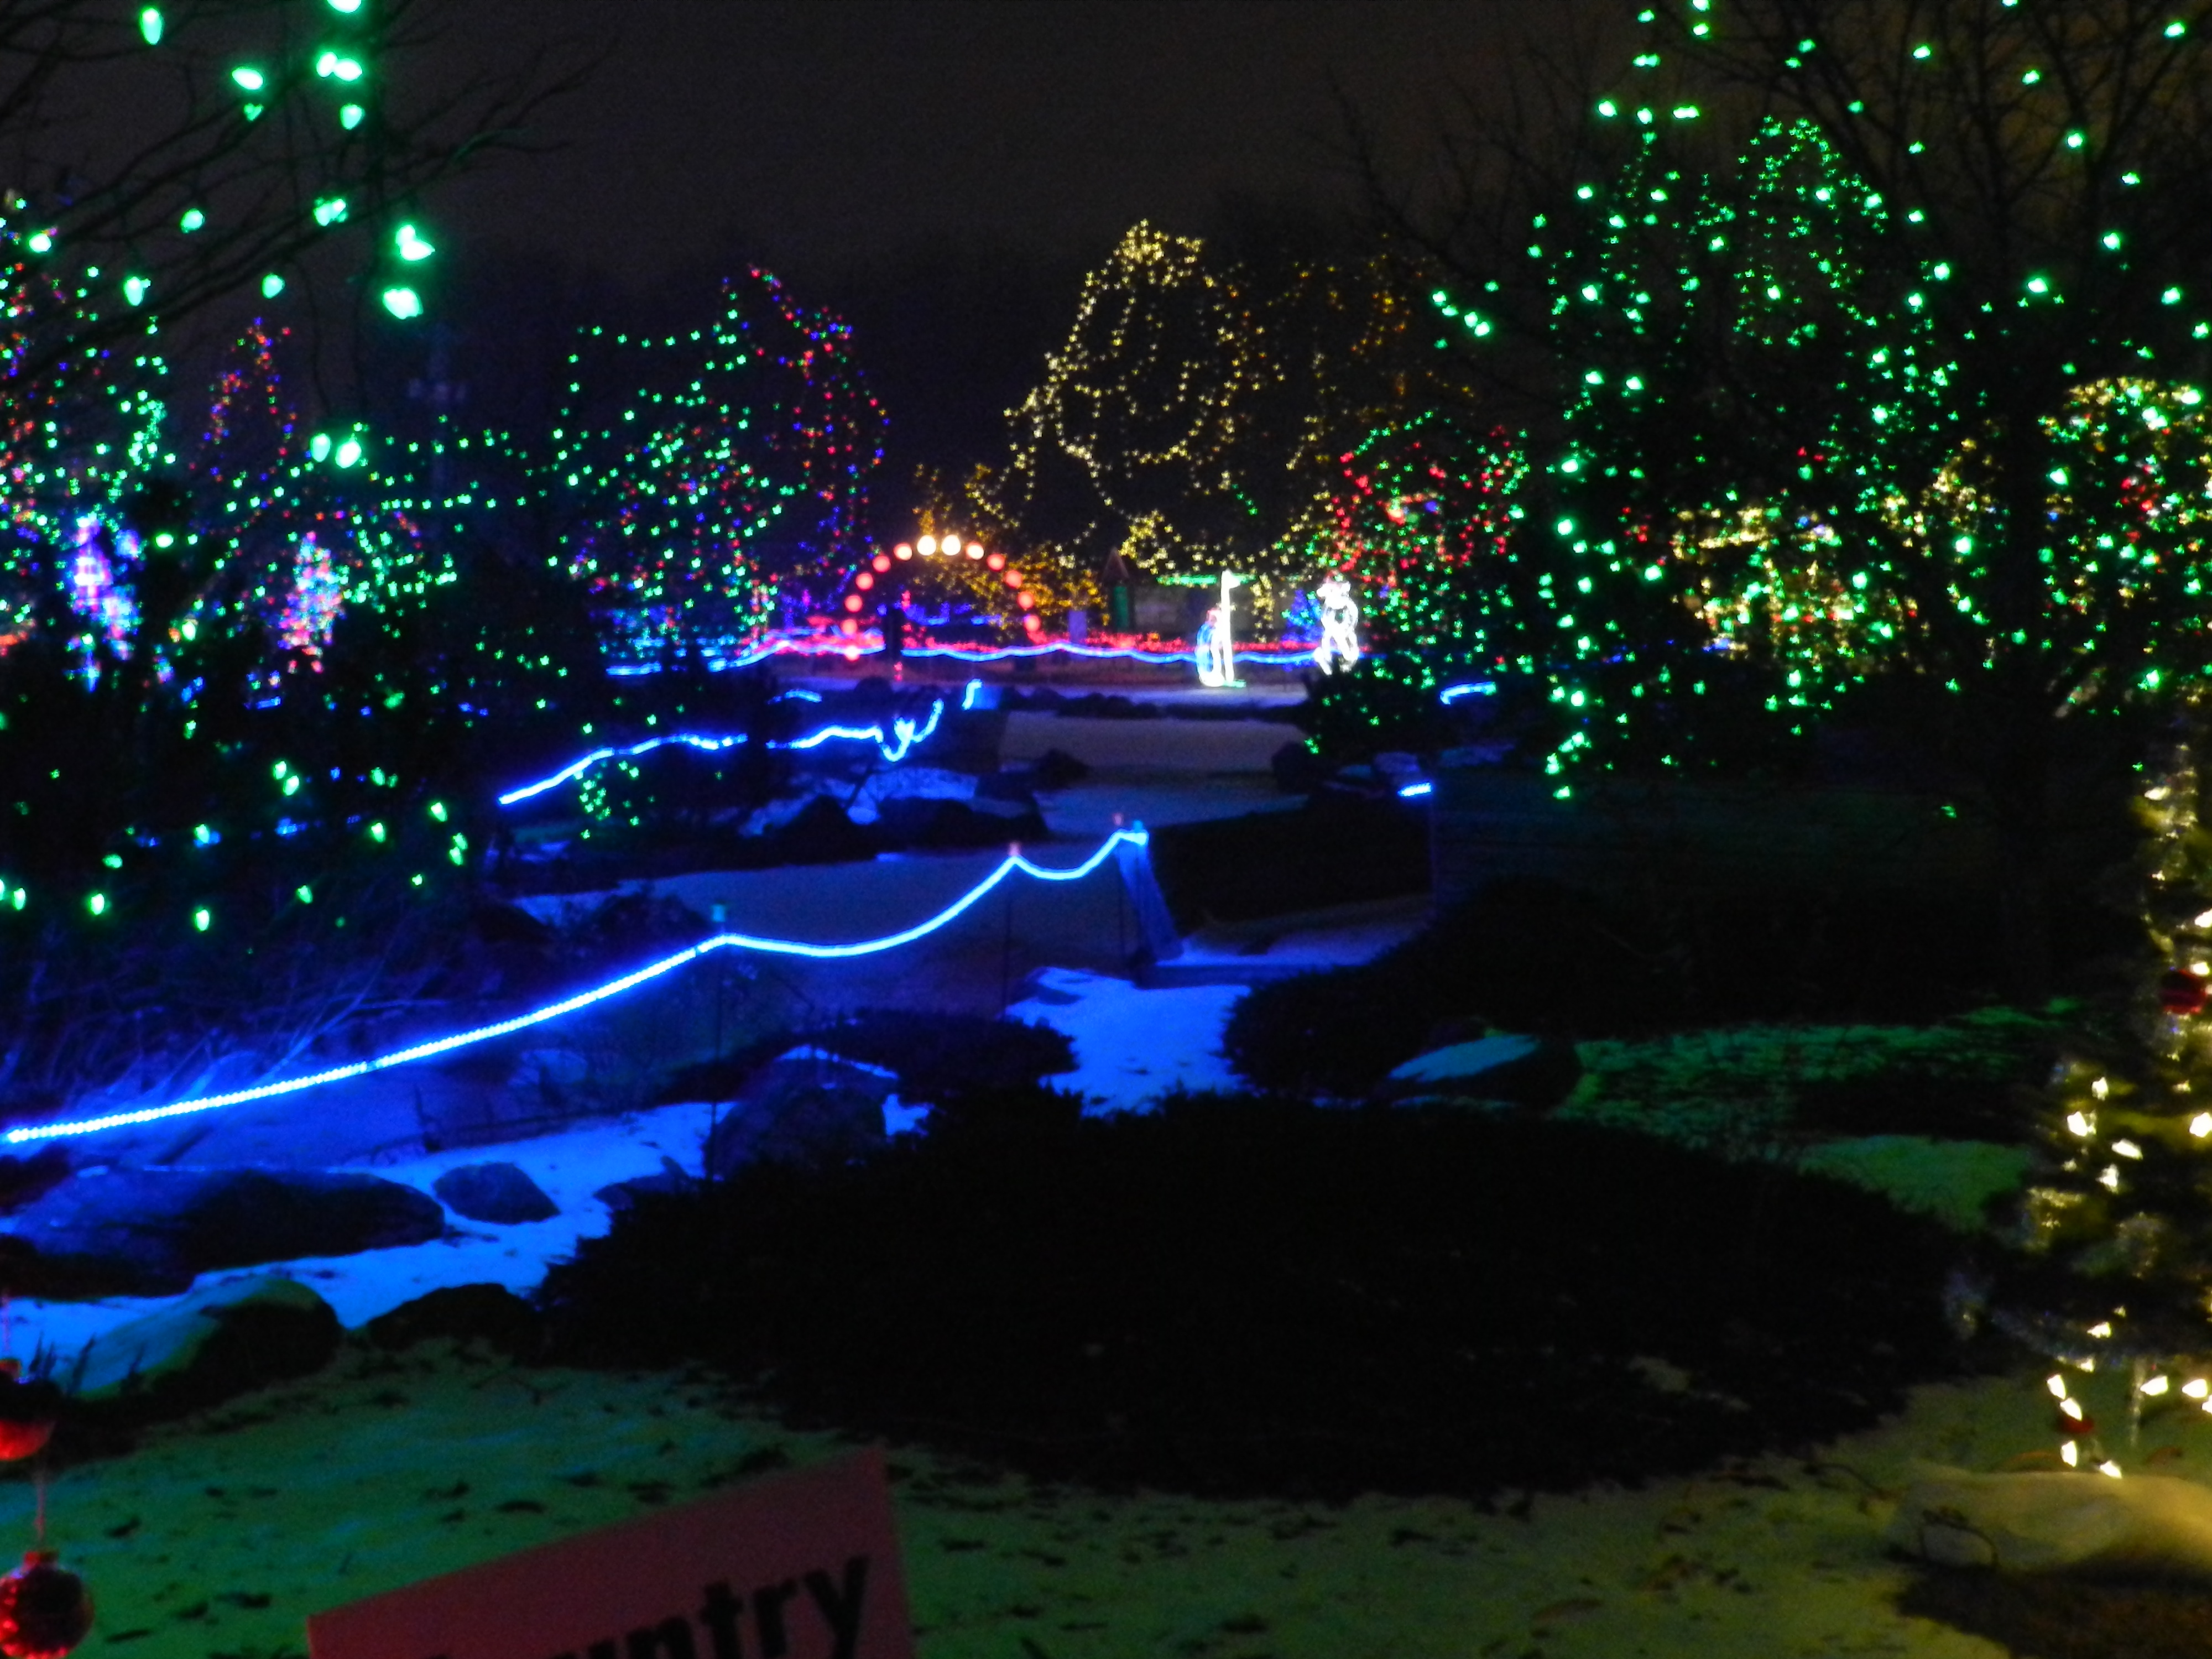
1296 660
577 768
1473 689
1416 791
903 736
630 982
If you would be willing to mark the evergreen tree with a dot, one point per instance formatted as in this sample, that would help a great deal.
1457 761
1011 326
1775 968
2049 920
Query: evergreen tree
2115 1212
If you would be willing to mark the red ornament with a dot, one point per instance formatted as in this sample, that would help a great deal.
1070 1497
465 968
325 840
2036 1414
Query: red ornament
2076 1426
44 1611
2180 992
27 1411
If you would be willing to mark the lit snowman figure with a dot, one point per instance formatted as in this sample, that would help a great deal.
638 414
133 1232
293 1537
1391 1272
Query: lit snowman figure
1340 624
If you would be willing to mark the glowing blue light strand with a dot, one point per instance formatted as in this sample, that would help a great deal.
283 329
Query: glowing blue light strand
576 769
968 694
1013 861
1473 689
1293 660
904 734
1415 791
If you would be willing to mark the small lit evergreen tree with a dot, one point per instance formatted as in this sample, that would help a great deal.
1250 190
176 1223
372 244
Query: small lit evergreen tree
2118 1205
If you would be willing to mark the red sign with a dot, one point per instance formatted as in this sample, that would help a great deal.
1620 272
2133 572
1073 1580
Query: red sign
802 1566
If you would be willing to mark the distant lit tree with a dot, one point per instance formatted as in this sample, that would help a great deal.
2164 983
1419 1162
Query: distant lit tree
692 473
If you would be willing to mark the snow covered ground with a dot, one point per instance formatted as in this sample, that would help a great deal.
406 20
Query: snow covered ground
1131 1046
221 1535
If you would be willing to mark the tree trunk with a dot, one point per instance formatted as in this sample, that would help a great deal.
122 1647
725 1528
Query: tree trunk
2019 784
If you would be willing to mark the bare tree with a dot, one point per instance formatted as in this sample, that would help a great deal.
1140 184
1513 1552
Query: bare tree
170 156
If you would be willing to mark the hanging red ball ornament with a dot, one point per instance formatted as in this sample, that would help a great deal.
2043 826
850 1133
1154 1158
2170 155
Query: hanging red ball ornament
45 1611
27 1411
2180 992
2078 1426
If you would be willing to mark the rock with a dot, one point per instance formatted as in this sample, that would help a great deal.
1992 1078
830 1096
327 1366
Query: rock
907 782
619 1195
497 1193
208 1346
1015 787
804 1107
23 1180
1056 769
913 821
1520 1071
821 832
2146 1525
491 1313
1297 770
150 1232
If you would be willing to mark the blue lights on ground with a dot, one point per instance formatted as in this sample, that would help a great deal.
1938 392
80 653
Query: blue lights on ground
1012 863
576 769
815 648
904 734
1450 693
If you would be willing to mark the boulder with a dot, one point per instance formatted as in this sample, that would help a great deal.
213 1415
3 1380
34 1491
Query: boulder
804 1107
23 1179
619 1195
1518 1070
150 1232
491 1313
916 821
497 1193
2143 1525
211 1345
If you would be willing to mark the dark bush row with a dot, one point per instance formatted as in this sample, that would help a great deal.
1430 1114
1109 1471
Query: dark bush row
1336 849
1259 1296
1532 955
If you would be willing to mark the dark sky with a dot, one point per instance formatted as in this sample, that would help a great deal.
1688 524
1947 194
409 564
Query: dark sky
834 132
939 172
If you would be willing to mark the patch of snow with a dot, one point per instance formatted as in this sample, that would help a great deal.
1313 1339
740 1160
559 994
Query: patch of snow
570 1167
1130 1045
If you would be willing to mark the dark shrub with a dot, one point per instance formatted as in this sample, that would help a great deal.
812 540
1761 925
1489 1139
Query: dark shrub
935 1055
938 1055
1532 955
1236 1297
1334 850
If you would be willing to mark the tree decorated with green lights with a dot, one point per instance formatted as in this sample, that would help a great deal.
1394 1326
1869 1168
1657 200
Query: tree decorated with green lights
208 859
1876 338
695 472
267 149
290 527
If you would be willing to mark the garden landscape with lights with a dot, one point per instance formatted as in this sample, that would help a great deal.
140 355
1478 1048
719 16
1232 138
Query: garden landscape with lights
1145 827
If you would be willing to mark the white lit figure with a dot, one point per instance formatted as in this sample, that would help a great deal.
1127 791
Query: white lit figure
1217 642
1340 624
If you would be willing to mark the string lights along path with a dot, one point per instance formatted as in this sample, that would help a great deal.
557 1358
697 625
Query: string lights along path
1134 837
904 735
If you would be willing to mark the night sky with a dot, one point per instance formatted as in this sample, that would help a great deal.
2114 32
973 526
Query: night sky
941 172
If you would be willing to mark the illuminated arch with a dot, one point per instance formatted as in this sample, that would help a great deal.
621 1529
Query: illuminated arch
949 566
